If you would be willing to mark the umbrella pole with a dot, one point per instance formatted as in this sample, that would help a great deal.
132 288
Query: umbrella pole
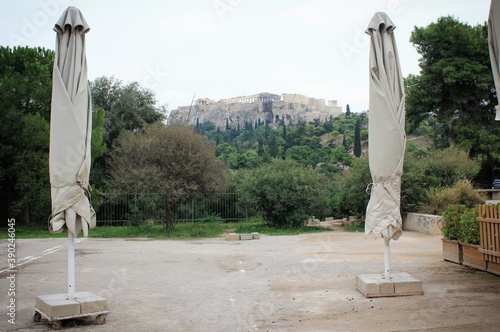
71 266
387 265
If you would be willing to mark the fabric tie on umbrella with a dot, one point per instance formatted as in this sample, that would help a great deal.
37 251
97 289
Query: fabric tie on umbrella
387 138
70 129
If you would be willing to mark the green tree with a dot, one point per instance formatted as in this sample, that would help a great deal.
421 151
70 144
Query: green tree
273 146
357 140
455 88
98 150
98 147
25 90
173 160
350 196
344 143
128 108
302 154
284 192
347 111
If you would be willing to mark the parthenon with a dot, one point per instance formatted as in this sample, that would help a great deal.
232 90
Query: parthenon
265 107
313 103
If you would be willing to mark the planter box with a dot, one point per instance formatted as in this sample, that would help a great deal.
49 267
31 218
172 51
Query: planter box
493 268
472 257
452 251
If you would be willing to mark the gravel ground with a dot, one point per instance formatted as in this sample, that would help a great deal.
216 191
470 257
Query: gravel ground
279 283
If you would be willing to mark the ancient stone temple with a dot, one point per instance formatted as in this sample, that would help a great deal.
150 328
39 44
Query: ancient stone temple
265 106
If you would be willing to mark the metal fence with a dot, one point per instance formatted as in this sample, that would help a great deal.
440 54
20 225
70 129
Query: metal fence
134 209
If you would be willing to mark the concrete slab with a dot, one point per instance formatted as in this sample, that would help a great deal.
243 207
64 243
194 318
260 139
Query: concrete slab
59 305
233 237
399 284
89 302
246 237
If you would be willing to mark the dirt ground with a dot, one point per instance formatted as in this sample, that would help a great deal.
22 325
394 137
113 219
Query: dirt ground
279 283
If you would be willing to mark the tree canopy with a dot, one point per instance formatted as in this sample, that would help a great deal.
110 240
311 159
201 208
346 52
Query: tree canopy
127 107
174 160
25 91
455 90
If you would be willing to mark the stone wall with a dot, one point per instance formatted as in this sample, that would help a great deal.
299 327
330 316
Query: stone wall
423 223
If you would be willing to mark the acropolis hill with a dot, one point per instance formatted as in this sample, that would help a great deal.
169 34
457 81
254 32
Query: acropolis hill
250 109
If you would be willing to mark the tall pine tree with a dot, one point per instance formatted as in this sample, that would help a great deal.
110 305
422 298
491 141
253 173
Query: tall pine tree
357 140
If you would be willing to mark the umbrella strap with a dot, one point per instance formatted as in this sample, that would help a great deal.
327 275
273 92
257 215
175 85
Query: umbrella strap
84 185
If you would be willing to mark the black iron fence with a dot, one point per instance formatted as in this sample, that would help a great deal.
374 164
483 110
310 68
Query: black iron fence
135 209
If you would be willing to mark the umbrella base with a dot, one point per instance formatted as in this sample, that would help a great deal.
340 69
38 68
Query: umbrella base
58 307
400 284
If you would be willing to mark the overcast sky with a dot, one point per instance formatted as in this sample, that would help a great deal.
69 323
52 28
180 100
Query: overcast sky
226 48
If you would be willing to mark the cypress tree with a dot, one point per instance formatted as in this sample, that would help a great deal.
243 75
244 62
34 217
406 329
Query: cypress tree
357 140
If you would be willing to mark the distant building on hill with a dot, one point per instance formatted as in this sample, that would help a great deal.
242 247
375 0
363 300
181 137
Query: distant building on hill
261 107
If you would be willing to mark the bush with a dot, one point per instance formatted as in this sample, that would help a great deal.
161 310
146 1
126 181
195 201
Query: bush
460 223
462 193
469 227
443 168
283 192
425 173
451 221
350 196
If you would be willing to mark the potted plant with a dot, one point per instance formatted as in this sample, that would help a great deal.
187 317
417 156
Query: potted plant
469 238
452 250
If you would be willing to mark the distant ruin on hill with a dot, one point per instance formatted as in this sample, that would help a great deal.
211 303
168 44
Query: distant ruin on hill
257 108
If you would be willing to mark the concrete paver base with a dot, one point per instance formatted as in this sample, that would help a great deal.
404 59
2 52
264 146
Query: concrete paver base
399 284
56 306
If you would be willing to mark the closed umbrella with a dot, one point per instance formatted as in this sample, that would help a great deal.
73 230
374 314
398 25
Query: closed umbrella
70 131
494 46
387 136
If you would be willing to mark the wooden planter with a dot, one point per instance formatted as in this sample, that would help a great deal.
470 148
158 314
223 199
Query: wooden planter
493 268
452 251
473 257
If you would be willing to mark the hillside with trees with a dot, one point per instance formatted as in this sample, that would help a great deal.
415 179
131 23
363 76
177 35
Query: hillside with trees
284 173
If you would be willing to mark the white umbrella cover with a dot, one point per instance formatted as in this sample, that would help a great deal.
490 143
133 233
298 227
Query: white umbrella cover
386 128
70 129
494 46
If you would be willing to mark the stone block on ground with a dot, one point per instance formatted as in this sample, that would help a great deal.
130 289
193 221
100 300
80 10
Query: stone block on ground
233 237
246 237
59 305
399 284
89 302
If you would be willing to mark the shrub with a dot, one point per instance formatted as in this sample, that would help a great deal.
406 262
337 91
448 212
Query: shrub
462 193
283 192
426 173
350 197
460 223
443 168
451 221
469 227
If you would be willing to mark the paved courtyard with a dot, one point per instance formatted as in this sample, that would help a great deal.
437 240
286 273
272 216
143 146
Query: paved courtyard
278 283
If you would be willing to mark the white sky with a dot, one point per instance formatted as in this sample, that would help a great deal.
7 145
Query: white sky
227 48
